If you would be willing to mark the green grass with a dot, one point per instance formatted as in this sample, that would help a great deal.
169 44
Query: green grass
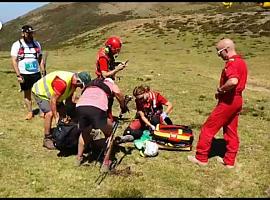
187 72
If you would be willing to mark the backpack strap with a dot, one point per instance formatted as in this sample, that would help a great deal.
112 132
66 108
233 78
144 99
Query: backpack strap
37 50
98 82
21 54
21 45
153 99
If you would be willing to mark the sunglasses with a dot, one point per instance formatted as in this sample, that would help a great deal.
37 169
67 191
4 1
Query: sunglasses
219 51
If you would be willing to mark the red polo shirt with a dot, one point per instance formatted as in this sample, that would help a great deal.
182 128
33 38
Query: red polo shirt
235 67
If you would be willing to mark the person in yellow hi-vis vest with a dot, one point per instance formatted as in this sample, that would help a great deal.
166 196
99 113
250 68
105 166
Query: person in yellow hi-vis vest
50 92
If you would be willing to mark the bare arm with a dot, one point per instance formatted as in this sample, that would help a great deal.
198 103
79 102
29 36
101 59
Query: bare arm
16 68
118 68
15 65
230 84
53 101
169 108
121 99
145 120
42 65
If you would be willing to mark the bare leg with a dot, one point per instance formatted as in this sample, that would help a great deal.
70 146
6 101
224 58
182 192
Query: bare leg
48 123
28 104
84 140
48 142
108 128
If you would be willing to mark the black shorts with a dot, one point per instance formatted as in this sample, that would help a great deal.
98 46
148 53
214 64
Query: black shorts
90 115
29 80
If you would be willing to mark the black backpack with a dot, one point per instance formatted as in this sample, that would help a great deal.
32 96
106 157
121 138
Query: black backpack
66 136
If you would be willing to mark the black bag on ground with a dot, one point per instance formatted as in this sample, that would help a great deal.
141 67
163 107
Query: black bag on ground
66 136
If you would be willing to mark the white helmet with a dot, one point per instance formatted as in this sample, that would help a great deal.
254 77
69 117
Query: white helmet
151 149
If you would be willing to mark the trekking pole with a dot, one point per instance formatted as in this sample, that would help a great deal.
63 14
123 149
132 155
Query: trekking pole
109 142
45 62
103 150
109 145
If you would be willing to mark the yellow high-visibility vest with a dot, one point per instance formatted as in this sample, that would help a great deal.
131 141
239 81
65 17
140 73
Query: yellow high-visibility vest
43 87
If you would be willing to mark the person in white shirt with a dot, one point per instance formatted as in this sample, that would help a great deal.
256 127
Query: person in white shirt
26 56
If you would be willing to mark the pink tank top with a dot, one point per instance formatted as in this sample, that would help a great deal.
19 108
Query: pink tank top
95 96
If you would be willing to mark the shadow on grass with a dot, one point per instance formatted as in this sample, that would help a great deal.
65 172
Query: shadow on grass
95 152
36 111
218 148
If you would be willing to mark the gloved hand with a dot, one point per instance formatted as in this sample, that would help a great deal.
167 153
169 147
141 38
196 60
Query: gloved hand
153 127
163 115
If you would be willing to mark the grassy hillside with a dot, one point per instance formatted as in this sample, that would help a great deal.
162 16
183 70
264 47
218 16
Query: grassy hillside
175 55
58 22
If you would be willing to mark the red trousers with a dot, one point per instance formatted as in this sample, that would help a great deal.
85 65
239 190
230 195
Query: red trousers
226 116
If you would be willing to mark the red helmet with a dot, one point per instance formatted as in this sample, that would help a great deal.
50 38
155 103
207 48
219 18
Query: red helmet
114 43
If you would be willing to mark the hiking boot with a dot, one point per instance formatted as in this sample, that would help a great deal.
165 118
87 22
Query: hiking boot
79 161
220 160
194 160
29 116
105 167
117 140
127 138
123 139
48 143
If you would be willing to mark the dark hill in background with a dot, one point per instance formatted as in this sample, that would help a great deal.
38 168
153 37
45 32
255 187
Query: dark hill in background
59 22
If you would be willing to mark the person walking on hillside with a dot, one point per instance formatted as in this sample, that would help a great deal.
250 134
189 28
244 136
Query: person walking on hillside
92 109
27 62
226 113
106 66
149 105
50 92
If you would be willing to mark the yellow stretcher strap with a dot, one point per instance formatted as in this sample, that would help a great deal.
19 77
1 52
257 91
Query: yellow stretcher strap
168 135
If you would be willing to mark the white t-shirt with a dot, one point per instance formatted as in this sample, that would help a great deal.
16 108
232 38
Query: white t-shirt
29 65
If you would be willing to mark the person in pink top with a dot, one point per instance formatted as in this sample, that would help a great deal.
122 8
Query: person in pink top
92 111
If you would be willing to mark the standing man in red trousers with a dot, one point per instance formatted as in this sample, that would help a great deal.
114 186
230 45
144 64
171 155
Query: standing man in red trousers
226 113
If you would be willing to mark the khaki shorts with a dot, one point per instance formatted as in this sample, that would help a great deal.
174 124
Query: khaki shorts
44 105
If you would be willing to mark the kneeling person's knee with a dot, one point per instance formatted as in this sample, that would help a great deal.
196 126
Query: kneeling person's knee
136 133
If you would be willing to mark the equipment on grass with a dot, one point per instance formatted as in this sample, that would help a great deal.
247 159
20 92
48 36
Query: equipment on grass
151 149
66 136
173 137
109 143
107 164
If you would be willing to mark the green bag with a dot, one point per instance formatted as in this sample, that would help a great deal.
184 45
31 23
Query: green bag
141 143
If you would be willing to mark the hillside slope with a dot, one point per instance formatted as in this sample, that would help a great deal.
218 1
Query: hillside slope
57 22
